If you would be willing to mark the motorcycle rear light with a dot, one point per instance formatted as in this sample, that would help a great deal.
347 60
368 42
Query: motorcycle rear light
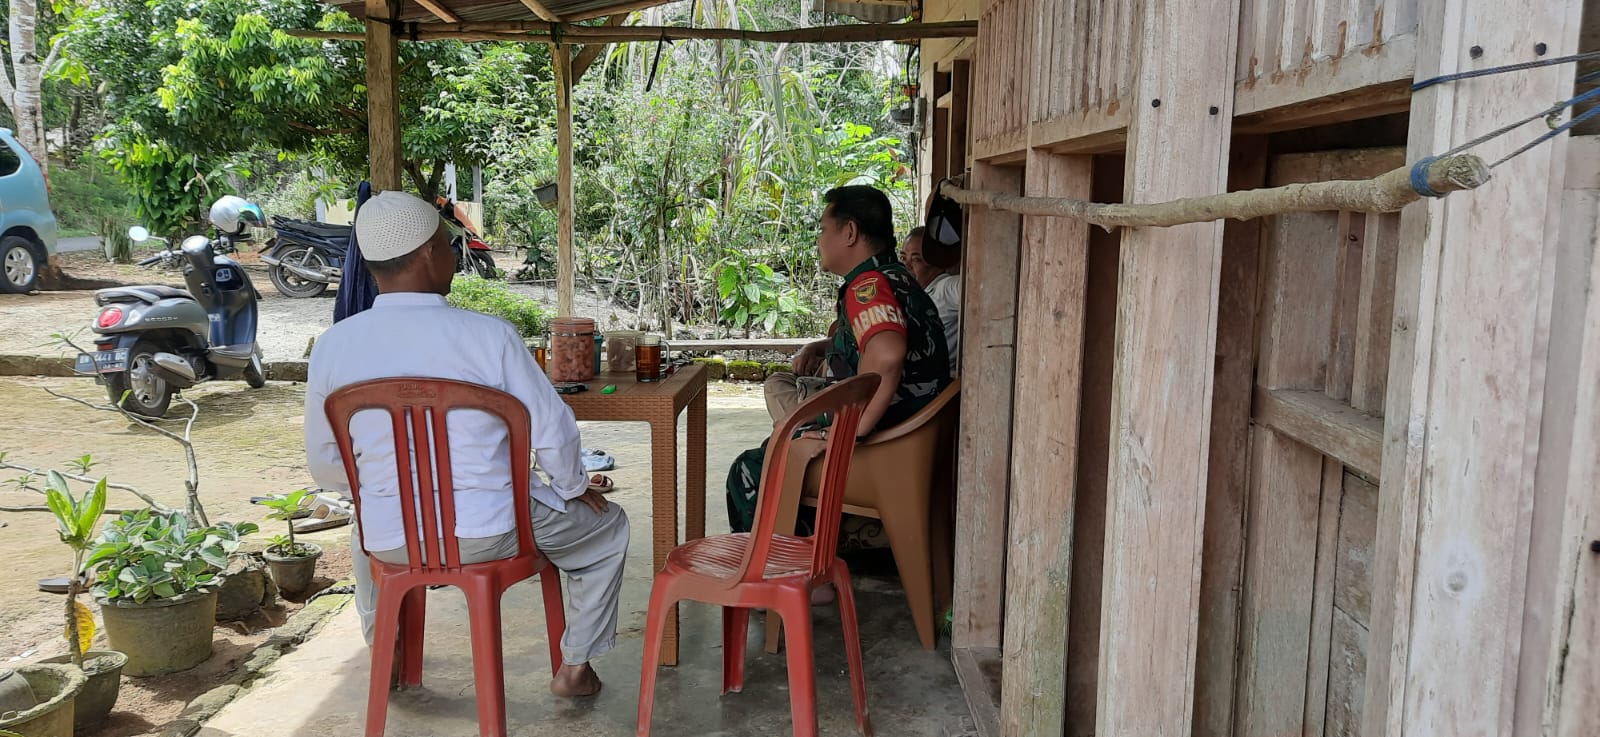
105 346
109 316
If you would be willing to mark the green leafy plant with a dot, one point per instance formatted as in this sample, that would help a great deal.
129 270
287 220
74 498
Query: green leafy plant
286 507
755 294
492 298
144 555
75 523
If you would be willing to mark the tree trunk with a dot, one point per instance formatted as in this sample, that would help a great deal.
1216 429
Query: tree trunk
21 93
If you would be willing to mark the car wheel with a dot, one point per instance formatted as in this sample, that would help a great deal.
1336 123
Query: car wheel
19 265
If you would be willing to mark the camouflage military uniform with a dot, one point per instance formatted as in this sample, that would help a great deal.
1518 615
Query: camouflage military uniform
880 295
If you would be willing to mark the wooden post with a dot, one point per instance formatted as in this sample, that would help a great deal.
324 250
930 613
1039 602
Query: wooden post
1094 452
960 117
1044 452
383 111
988 337
1471 333
1162 387
1228 467
566 271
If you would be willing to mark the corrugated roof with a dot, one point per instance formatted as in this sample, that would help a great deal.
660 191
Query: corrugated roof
878 12
497 10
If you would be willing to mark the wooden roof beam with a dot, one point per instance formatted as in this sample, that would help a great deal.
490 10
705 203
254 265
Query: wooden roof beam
592 51
541 32
540 10
439 11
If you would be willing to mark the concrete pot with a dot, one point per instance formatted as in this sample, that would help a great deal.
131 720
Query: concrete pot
294 574
104 671
162 636
58 686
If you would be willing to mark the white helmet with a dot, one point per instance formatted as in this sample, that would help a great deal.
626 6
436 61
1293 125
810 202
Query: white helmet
232 215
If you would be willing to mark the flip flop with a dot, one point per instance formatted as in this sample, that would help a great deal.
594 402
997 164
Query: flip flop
325 515
602 484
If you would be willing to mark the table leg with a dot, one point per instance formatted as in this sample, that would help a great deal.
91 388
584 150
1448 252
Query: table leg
695 506
664 505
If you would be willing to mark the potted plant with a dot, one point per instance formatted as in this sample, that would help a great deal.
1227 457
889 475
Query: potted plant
76 520
52 688
293 564
157 577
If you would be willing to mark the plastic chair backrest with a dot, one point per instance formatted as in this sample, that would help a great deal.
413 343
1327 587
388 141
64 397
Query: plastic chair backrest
922 418
844 402
416 406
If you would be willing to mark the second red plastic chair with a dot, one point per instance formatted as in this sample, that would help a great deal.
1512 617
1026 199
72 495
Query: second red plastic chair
416 406
761 569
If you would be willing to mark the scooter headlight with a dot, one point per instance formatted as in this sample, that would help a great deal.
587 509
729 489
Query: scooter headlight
109 316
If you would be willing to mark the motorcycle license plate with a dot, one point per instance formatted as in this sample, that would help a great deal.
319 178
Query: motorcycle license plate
100 362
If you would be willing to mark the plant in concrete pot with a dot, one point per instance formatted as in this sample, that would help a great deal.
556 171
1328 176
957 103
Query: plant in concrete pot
51 689
157 574
76 520
293 564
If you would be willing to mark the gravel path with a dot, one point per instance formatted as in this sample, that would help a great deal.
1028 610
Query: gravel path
287 325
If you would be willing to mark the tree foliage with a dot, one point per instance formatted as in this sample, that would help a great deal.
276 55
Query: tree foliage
700 165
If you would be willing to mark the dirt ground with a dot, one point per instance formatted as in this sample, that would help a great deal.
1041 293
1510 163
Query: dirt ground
248 443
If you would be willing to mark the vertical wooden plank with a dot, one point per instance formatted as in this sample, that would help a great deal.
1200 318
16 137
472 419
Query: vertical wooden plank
1454 517
1162 388
960 115
1094 452
383 111
988 334
1089 65
1327 550
1044 452
566 269
1245 58
940 166
1106 72
1375 312
1286 484
1228 467
1346 307
1558 622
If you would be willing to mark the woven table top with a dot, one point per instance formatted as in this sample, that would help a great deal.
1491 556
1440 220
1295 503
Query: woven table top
634 400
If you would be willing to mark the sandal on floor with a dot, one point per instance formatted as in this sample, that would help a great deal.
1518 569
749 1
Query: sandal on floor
326 514
602 483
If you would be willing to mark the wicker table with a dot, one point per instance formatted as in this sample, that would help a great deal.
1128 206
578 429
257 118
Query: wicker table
659 405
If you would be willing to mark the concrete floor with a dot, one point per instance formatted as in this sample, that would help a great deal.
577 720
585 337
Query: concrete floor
320 689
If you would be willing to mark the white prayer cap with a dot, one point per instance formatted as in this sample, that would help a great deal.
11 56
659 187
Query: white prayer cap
392 224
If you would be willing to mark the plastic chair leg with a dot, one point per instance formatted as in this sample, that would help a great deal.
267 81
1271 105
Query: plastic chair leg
802 667
852 645
488 666
908 540
385 631
654 630
555 613
735 634
413 620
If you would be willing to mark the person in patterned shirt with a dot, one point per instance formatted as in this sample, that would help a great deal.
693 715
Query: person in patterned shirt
885 324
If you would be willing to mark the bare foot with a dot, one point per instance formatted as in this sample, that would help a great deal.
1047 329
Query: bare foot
822 595
575 681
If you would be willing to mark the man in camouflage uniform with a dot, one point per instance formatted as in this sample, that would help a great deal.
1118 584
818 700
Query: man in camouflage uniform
885 325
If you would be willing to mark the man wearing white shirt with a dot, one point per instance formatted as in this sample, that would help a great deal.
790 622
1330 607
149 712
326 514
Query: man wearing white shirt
411 331
943 287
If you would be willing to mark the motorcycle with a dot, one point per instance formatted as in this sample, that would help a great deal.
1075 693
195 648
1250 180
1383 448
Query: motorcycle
472 254
154 339
305 256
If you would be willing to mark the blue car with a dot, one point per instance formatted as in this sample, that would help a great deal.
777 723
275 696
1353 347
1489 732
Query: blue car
27 225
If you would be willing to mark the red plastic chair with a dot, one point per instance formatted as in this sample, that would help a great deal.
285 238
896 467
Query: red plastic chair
761 569
418 405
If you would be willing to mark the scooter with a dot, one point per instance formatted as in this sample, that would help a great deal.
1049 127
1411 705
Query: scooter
472 254
305 256
154 340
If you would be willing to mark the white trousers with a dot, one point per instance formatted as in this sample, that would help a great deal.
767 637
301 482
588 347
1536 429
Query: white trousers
591 548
